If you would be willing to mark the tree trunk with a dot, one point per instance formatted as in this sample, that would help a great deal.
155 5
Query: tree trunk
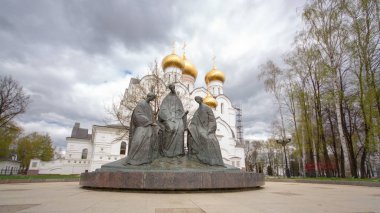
304 153
316 158
334 144
342 169
363 173
346 162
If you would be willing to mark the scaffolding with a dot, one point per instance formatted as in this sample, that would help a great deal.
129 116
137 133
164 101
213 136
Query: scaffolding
239 124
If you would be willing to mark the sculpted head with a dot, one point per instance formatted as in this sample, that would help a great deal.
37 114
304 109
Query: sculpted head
150 96
172 88
198 99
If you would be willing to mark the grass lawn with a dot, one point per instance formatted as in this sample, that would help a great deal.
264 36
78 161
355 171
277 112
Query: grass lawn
329 179
12 177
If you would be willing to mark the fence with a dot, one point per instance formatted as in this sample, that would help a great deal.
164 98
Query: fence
13 170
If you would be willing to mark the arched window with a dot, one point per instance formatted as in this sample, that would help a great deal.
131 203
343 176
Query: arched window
123 148
84 153
221 108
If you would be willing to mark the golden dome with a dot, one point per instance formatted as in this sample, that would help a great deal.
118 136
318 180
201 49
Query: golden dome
210 101
189 68
214 74
172 60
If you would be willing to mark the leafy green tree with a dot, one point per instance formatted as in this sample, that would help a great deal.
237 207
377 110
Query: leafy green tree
364 52
35 145
8 135
330 86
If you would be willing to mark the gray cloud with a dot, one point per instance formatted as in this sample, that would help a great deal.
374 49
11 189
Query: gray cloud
72 56
86 25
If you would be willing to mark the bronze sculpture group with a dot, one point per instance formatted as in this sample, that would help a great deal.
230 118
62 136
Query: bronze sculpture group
149 140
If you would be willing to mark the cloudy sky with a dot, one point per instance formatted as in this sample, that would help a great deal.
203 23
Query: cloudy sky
75 58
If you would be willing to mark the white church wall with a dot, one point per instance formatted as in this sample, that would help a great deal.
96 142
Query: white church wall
59 166
232 155
76 146
116 147
104 151
229 112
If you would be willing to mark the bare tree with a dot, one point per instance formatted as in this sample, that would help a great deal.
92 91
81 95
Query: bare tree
251 155
13 100
121 111
325 24
271 74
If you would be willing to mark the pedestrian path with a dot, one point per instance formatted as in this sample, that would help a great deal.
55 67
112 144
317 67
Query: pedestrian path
273 197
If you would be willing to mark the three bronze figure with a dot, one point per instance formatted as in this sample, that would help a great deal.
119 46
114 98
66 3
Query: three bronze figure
149 140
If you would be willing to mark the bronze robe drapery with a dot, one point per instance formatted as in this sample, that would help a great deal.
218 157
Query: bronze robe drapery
142 147
202 141
171 118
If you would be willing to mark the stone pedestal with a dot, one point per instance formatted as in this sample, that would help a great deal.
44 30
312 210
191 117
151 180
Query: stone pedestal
170 174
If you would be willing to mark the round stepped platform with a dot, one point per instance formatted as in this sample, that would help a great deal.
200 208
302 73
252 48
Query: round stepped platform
170 174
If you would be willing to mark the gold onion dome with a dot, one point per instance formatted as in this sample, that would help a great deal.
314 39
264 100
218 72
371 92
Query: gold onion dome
210 101
173 60
214 74
189 68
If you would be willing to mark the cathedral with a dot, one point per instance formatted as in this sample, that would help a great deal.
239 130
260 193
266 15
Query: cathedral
108 143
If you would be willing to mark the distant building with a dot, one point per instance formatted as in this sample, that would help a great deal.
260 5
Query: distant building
85 151
10 165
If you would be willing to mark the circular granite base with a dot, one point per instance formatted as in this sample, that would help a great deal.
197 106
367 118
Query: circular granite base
170 174
145 180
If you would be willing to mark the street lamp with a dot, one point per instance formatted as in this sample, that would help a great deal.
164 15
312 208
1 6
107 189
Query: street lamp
283 143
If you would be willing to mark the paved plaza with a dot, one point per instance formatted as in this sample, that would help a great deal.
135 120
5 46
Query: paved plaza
273 197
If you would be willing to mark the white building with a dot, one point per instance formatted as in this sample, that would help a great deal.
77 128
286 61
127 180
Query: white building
85 151
109 143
